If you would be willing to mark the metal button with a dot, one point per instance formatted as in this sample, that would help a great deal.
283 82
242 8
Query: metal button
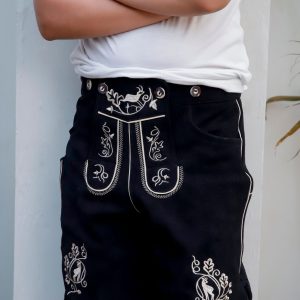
160 92
89 84
102 88
195 91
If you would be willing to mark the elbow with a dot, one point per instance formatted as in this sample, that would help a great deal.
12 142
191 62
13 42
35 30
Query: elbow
46 31
44 20
211 6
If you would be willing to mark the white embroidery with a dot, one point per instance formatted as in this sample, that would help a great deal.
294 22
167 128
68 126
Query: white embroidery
180 174
100 174
211 284
249 191
156 146
160 177
74 268
107 150
129 104
131 121
117 168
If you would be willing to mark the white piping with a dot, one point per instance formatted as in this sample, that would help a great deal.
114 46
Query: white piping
116 170
244 214
249 192
144 119
144 167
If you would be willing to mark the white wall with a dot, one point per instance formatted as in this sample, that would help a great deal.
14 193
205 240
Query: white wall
7 146
47 90
255 20
46 94
280 246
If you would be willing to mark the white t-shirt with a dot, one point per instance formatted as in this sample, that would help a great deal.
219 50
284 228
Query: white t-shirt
205 49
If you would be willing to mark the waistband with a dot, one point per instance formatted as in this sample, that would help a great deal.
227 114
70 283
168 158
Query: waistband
156 87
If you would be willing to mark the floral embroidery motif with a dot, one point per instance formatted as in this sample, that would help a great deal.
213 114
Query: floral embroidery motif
160 177
160 181
96 178
100 174
74 268
107 150
156 146
129 104
210 285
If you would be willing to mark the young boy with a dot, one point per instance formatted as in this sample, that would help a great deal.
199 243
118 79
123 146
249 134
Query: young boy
154 183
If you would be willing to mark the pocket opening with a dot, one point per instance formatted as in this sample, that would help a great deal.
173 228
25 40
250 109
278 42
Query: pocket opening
101 172
207 119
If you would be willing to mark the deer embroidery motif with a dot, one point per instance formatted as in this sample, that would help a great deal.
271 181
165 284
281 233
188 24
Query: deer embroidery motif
129 104
74 268
211 284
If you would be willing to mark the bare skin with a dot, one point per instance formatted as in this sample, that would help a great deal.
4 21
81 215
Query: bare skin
177 7
75 19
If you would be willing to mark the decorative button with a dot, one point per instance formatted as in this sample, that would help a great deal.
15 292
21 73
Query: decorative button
102 88
89 84
195 91
160 92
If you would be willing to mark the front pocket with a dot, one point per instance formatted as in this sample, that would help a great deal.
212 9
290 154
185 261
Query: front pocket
161 176
217 122
102 167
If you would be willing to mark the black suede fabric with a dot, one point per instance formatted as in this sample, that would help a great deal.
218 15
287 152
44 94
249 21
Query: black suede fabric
154 193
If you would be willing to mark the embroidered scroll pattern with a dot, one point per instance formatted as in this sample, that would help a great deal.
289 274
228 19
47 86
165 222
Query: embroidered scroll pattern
100 174
162 181
106 142
211 284
129 104
156 146
161 176
74 268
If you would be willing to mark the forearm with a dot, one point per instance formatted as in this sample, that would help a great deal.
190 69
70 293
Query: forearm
177 7
74 19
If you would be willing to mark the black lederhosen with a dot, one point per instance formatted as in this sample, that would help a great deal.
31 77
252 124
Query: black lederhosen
154 193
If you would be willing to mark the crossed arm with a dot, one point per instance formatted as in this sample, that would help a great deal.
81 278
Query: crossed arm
74 19
177 7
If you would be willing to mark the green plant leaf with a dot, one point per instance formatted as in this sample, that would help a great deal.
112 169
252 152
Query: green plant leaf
295 128
283 98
